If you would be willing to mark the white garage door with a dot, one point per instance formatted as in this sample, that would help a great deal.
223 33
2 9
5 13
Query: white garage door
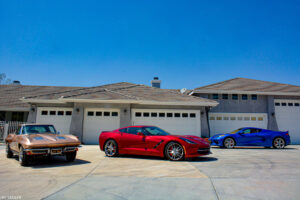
287 114
98 120
177 122
59 117
227 122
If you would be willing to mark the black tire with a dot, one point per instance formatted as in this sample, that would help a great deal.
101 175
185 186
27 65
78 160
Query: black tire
70 156
111 148
9 153
23 158
229 143
174 151
278 143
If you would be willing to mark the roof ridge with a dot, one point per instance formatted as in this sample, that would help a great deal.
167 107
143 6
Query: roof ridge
217 83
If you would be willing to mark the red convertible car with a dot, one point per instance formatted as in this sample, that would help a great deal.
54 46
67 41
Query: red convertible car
152 141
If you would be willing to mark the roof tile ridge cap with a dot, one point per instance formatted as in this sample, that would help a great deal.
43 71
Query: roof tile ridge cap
217 83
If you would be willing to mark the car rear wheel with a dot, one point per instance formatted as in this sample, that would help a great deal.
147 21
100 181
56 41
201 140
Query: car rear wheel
278 143
23 158
229 143
70 156
174 151
9 153
111 148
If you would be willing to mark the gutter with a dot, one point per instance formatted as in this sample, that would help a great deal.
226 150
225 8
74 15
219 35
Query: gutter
246 92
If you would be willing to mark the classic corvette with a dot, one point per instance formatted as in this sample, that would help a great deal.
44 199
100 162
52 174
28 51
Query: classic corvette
152 141
34 140
250 136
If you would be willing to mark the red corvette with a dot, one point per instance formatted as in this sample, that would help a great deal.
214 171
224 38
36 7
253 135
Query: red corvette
152 141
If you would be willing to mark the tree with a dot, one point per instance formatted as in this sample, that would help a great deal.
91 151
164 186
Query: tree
4 80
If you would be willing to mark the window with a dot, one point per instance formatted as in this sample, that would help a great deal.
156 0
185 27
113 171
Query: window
192 115
215 96
211 118
219 118
235 96
255 130
169 114
18 130
177 115
254 97
246 118
146 114
68 112
185 115
226 118
283 104
277 104
98 114
240 118
153 114
296 104
253 118
52 112
17 116
224 96
247 131
138 114
60 112
123 130
135 130
114 114
244 97
161 114
260 118
44 112
290 104
232 118
90 113
106 114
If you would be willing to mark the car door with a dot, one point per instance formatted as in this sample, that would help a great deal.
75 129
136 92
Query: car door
249 136
131 142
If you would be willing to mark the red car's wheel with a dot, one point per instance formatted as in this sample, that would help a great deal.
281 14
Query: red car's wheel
111 148
174 151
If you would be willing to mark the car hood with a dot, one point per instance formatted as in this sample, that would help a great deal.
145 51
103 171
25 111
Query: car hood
45 138
217 135
193 138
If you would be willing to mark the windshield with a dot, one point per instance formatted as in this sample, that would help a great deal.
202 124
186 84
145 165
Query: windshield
235 131
152 130
38 129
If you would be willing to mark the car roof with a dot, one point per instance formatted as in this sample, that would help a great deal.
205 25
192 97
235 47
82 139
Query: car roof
25 124
137 126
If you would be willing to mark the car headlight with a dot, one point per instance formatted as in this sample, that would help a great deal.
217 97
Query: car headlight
188 141
221 136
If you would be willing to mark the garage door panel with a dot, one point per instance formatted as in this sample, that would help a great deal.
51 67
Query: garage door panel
287 114
97 120
59 117
179 122
227 122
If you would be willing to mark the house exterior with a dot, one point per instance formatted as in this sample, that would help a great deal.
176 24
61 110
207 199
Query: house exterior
247 102
86 112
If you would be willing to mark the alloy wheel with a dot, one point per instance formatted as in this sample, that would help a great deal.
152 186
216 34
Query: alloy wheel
229 143
175 151
279 143
110 148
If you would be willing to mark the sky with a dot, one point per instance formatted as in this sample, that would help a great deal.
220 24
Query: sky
186 44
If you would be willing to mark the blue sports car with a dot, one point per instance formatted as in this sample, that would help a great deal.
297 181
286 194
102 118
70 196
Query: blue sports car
250 136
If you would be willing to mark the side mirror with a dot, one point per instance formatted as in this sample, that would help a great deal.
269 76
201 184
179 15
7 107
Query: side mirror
140 134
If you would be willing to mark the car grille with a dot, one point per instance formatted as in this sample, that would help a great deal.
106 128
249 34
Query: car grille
204 150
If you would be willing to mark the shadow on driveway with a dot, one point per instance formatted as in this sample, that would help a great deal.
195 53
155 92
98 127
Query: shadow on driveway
261 148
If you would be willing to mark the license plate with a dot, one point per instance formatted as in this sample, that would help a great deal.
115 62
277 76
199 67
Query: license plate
56 151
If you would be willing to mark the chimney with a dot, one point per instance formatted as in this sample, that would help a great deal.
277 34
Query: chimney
15 82
156 82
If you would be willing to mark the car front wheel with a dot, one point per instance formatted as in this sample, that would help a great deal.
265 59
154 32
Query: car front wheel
70 156
23 158
174 151
9 153
111 148
229 143
278 143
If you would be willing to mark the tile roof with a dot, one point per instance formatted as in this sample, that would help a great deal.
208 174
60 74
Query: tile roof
11 95
245 85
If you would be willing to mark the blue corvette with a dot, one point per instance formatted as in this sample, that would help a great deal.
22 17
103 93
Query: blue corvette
250 136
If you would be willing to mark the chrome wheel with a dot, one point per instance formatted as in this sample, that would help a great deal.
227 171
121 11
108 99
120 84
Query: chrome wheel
279 143
110 148
174 151
21 155
23 158
229 143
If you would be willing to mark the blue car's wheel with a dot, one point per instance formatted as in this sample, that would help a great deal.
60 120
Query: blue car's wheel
229 143
278 143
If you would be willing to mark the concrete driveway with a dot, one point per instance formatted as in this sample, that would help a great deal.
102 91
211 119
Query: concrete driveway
245 173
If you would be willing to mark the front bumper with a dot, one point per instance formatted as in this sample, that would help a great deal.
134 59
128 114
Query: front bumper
197 151
51 151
